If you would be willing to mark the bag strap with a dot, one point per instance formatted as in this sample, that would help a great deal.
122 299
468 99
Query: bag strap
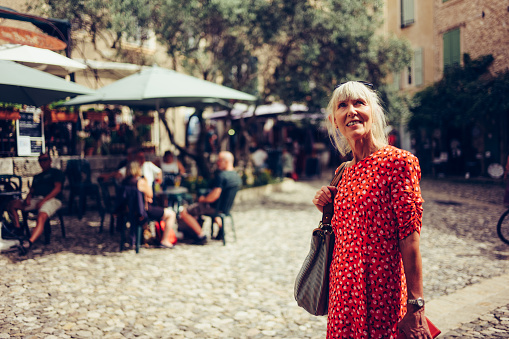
328 210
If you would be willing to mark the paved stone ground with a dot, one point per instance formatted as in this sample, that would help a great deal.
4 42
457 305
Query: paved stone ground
82 287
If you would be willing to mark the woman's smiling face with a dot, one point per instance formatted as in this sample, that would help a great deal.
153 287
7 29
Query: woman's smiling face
353 118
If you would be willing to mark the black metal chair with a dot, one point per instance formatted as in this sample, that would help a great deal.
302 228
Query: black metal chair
225 204
10 189
80 185
131 208
109 201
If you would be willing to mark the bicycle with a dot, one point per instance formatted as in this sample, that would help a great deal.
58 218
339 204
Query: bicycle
503 227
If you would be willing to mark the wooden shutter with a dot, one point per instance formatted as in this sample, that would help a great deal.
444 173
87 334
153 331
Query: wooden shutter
418 67
396 81
452 49
407 12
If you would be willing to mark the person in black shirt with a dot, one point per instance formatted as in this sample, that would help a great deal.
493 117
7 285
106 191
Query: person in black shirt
226 177
44 196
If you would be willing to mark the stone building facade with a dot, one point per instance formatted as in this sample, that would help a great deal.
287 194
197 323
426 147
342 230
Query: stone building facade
483 29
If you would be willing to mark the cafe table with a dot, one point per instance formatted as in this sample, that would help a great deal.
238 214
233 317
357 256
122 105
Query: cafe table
173 195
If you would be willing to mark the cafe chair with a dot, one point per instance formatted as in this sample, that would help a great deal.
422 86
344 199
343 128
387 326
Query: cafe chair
10 183
225 204
32 215
80 185
131 208
109 201
10 188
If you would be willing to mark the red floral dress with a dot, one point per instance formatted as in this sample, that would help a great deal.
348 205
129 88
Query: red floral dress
378 202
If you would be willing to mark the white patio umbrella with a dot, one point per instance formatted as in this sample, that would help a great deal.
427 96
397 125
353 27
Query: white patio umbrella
24 85
41 59
157 87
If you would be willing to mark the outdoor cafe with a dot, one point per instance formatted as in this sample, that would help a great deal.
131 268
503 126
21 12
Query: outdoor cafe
30 125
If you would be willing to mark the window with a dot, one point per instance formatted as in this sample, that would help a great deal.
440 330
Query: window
451 48
396 81
418 71
407 13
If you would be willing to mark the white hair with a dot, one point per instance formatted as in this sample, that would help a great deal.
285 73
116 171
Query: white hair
353 90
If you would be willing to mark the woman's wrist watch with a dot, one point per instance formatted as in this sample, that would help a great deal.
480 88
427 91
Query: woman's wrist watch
419 302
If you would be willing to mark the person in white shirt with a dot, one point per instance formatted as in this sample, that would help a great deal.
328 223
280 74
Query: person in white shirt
259 158
149 171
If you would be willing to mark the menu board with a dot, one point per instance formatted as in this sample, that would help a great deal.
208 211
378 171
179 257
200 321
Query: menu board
30 132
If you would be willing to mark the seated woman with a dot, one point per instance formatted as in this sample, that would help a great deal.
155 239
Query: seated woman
172 169
133 178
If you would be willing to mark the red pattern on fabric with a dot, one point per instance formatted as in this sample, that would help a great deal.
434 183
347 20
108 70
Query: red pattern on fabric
378 203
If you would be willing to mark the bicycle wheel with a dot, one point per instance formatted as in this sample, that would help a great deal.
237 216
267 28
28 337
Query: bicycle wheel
503 227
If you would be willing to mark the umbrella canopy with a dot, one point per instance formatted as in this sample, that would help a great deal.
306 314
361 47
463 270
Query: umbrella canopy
24 85
41 59
158 87
244 111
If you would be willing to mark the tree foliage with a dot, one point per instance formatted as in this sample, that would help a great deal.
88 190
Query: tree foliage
109 21
289 50
280 50
466 94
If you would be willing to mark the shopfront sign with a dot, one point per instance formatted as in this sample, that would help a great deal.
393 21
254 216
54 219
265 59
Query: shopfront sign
30 132
22 36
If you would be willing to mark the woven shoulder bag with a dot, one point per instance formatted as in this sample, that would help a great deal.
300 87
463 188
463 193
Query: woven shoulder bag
312 283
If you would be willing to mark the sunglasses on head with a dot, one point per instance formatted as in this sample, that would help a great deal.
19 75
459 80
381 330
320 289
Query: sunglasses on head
365 83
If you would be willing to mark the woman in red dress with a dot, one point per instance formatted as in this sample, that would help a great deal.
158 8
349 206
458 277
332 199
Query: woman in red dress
376 285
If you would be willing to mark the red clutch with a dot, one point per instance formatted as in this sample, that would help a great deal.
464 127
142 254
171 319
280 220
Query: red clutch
432 328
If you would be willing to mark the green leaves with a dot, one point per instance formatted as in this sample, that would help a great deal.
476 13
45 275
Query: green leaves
466 95
289 50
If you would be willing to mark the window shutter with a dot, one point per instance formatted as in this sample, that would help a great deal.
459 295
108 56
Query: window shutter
407 12
396 81
452 50
455 47
418 67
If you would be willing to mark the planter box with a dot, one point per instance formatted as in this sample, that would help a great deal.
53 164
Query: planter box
144 120
94 115
57 116
9 115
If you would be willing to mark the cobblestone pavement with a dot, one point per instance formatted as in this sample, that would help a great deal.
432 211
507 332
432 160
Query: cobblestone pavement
82 287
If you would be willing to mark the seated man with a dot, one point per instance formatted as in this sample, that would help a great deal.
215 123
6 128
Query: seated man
226 178
44 196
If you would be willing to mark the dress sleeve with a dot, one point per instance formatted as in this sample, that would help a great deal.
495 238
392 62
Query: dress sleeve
406 194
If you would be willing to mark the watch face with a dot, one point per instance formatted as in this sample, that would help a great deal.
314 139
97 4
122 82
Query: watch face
420 302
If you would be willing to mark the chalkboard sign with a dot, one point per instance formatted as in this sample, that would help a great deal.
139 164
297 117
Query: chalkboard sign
30 125
30 132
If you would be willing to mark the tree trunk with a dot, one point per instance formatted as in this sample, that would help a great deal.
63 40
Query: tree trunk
198 157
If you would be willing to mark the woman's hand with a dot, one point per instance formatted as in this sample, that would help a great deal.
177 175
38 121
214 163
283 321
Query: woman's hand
414 324
324 196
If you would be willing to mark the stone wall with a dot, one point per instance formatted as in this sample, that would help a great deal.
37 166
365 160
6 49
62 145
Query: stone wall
27 167
484 29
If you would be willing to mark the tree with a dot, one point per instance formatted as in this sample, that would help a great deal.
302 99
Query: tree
103 21
467 96
315 45
297 50
282 50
